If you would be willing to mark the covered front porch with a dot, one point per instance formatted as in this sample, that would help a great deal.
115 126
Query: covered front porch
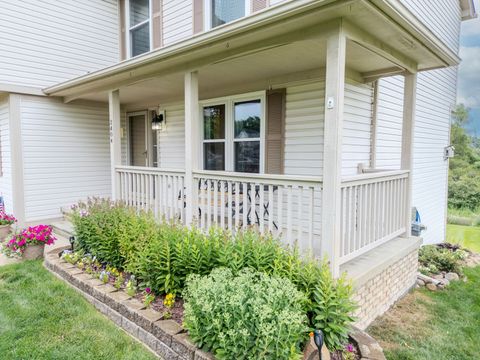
273 127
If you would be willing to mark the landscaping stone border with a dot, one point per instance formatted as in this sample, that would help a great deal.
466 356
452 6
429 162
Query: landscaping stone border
165 338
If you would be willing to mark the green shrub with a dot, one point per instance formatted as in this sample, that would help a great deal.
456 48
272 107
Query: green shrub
161 256
248 316
112 232
434 259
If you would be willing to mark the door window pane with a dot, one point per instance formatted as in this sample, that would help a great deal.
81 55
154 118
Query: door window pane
247 156
140 40
214 156
139 11
214 122
247 119
224 11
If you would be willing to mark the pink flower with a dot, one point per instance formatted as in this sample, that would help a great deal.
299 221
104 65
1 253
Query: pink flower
349 348
148 290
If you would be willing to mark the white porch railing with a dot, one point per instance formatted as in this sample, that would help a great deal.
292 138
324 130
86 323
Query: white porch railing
373 206
373 211
157 190
287 206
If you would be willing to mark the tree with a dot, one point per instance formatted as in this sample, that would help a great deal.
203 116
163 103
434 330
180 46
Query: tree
464 174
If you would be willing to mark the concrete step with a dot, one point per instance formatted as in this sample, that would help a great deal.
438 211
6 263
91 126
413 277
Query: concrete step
63 228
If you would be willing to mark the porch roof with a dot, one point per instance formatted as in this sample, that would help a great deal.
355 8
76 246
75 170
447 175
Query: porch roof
384 29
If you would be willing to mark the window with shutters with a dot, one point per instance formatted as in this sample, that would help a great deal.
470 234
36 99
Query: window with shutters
139 26
233 133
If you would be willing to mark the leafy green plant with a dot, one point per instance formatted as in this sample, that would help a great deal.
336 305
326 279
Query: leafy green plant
333 307
131 287
434 259
119 280
164 255
246 316
148 297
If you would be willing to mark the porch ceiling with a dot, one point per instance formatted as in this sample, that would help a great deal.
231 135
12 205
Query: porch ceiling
265 47
262 69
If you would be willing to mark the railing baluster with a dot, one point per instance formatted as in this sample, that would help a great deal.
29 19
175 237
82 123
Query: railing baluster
246 206
280 205
289 215
261 208
270 208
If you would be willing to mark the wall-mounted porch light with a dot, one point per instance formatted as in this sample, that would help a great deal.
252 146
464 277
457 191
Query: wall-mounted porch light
159 121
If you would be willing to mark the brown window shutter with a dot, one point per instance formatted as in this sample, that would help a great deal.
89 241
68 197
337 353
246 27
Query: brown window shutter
157 28
197 16
258 5
275 132
122 30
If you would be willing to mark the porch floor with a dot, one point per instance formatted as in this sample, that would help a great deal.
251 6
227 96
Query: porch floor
367 266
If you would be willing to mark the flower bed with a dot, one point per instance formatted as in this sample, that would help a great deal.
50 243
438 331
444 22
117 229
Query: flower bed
160 258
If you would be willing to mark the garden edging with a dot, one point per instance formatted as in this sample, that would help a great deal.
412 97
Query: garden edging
166 338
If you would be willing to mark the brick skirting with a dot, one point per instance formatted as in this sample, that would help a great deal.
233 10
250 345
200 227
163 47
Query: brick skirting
380 292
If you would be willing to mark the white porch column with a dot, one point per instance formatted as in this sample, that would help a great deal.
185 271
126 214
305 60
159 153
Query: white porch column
115 139
332 152
409 100
191 141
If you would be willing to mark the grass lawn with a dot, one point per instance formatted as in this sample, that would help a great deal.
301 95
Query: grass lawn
434 325
43 318
467 236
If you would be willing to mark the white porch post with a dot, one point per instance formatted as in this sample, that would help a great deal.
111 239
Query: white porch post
191 141
410 90
332 152
115 139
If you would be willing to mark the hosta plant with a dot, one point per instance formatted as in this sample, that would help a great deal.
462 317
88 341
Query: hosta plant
248 316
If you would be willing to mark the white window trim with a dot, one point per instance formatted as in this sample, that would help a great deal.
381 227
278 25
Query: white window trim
230 140
207 17
130 28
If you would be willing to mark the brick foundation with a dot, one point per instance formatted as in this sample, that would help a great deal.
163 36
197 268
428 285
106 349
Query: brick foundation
379 293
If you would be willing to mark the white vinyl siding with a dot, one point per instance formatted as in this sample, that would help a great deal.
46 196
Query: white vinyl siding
6 175
304 129
357 129
389 123
46 42
171 142
436 96
66 155
442 17
177 20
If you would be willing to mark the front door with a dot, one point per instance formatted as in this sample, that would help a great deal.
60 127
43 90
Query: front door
138 139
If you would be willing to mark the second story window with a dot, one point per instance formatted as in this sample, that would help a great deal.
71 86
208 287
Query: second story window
139 26
219 12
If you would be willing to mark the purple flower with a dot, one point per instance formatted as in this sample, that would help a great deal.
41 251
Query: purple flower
349 348
148 290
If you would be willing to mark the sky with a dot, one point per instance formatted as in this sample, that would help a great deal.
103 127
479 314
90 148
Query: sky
469 70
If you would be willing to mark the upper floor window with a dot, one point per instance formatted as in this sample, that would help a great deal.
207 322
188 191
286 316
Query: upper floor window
139 26
219 12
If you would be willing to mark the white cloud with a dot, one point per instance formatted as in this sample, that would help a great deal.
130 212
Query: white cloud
472 27
469 76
